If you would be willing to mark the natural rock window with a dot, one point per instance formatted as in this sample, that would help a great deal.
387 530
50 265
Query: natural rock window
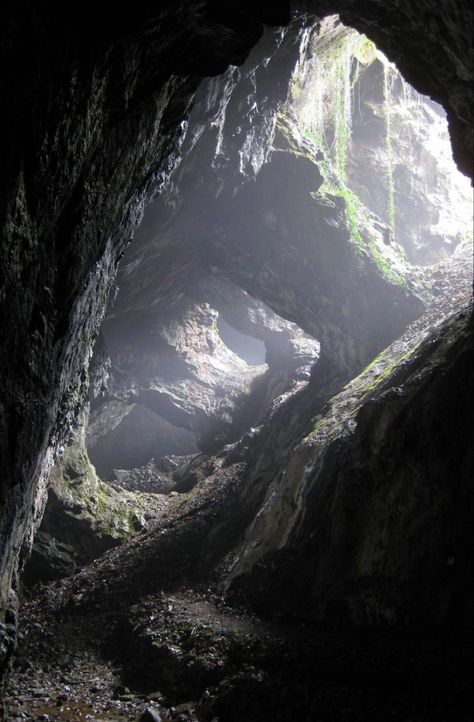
251 350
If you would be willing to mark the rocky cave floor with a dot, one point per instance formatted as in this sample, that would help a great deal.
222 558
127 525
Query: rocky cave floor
136 631
219 664
89 653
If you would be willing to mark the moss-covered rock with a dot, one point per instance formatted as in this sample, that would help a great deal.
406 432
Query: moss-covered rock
84 517
367 499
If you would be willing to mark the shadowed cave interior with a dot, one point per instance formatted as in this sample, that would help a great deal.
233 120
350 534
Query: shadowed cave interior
253 500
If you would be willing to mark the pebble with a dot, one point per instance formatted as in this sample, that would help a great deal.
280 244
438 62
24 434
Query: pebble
150 715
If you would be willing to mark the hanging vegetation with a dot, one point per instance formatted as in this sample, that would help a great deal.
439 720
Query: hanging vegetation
325 113
388 77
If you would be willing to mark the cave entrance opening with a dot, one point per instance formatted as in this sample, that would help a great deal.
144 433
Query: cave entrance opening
383 148
353 148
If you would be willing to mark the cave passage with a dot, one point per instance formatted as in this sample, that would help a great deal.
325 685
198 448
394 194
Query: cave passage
244 455
356 151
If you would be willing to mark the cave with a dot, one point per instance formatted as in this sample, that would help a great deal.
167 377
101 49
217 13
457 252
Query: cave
236 426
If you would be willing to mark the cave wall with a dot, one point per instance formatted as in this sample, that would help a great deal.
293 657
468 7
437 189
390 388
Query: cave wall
83 518
243 211
336 512
262 225
94 104
96 108
366 518
171 367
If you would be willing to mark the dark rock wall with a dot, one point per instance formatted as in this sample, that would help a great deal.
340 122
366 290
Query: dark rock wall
93 109
84 517
370 521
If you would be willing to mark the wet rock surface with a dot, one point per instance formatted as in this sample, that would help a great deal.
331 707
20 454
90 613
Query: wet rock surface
388 144
85 516
405 50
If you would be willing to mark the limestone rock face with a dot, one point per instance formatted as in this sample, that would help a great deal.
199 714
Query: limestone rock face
387 143
391 458
231 229
419 41
175 377
95 127
83 517
176 387
254 229
432 206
